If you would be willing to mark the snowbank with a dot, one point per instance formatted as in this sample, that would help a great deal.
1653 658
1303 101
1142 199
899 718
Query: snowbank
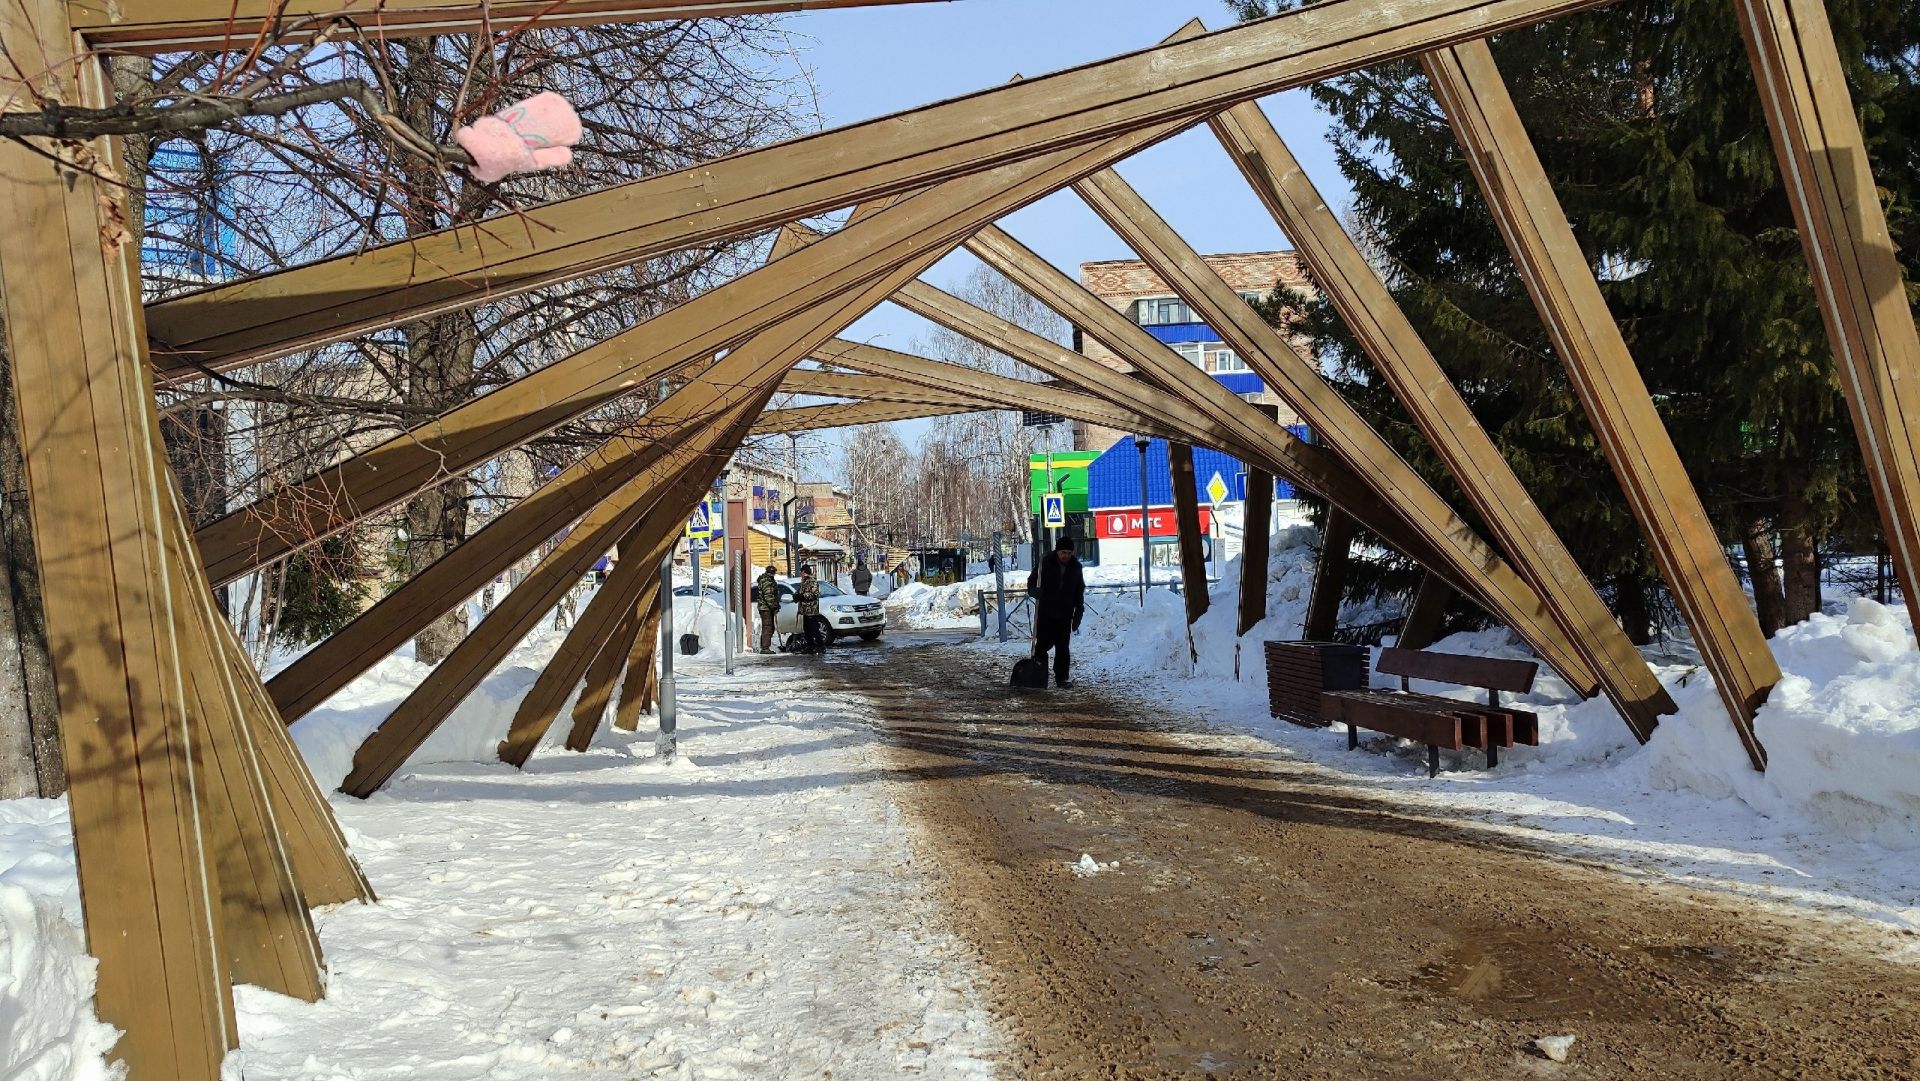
924 607
1842 731
47 1028
1842 728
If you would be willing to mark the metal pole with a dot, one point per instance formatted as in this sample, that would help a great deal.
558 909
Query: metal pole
1053 534
1146 522
667 744
726 595
1000 585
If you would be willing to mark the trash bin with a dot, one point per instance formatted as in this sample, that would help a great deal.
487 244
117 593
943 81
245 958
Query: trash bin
690 644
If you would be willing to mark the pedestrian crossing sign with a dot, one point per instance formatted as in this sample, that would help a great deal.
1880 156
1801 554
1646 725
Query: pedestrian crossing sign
700 524
1054 510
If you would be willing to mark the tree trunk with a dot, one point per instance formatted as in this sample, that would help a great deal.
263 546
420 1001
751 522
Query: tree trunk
1630 604
31 762
440 374
1799 549
1763 570
440 354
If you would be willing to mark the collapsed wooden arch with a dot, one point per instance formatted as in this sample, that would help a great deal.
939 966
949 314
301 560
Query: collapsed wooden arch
200 837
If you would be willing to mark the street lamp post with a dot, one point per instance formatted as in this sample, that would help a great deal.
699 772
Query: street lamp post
1142 442
726 573
666 744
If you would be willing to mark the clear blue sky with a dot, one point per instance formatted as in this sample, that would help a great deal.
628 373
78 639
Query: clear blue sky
869 62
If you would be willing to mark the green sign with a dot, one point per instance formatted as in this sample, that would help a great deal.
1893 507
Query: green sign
1069 479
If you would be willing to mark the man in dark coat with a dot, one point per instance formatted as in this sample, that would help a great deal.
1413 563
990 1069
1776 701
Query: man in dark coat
1059 600
862 578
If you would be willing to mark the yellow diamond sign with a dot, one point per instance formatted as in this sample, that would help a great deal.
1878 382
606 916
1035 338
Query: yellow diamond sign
1217 489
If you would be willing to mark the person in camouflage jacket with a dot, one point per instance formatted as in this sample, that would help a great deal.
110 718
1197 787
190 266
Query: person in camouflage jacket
766 598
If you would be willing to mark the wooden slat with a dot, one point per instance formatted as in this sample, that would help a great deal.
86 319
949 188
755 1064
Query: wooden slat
1856 272
1329 576
1186 510
1447 546
1558 277
892 245
1256 539
162 26
1482 473
1494 673
85 410
763 189
1385 713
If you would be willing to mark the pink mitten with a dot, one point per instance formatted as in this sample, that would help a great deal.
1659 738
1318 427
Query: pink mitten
533 134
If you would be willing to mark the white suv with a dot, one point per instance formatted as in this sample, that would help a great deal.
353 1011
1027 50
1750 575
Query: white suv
845 613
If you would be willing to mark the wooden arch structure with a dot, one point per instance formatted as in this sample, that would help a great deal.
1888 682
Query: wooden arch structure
202 840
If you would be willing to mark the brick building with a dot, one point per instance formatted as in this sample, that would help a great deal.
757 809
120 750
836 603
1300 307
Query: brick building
1129 286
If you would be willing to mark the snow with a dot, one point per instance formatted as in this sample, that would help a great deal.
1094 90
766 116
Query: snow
1555 1047
757 909
1840 797
47 1028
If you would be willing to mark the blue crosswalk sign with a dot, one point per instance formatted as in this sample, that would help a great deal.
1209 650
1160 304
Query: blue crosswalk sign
1053 510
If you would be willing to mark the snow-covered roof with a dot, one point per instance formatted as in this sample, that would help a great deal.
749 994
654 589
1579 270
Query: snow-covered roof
804 540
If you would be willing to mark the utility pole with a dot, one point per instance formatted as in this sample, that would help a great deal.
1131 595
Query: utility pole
1141 443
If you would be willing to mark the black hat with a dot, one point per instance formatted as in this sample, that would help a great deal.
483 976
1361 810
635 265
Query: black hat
1065 545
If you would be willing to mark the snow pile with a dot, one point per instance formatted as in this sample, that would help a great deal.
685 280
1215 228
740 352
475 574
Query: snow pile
329 736
1842 728
924 607
47 1028
1842 731
706 618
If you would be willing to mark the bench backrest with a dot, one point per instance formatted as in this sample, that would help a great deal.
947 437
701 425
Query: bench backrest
1492 673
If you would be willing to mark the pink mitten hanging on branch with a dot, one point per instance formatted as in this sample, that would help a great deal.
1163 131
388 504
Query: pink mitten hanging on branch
533 134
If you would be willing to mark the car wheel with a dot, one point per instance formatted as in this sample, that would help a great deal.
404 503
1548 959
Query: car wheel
869 636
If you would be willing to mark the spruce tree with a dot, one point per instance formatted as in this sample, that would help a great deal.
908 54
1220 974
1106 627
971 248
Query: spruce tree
1647 117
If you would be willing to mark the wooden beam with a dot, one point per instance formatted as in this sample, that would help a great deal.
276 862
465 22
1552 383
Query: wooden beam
603 676
1445 543
633 584
1436 406
892 245
1166 87
636 689
1856 272
816 418
1256 540
1425 615
323 670
1329 577
1186 511
1588 341
166 26
869 388
421 712
96 496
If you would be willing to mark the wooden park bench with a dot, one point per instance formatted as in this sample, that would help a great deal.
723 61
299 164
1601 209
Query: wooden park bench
1441 723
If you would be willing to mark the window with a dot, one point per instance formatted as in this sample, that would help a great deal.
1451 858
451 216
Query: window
1252 296
1222 359
1160 311
1190 350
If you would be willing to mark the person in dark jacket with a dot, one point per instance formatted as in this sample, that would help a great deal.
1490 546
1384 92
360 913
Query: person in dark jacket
862 578
1059 600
